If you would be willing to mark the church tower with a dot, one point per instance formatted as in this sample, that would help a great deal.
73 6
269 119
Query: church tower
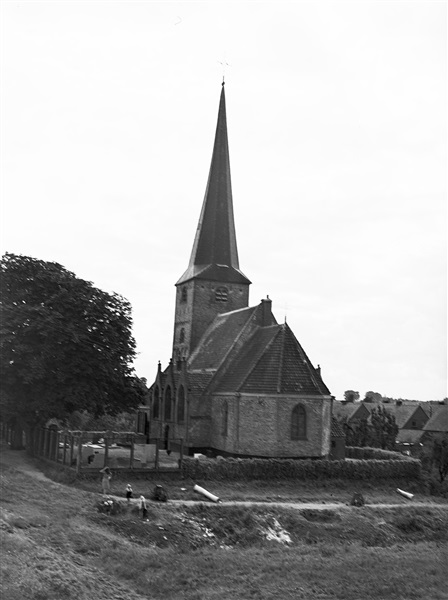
213 283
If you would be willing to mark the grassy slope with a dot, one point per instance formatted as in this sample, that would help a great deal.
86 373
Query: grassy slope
56 545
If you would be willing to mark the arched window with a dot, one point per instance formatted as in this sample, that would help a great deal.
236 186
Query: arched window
225 418
298 423
181 405
168 401
182 336
221 294
156 403
184 295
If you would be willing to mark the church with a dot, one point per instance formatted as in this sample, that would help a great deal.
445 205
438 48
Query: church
238 383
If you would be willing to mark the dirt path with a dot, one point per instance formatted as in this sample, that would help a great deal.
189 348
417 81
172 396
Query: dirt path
317 505
19 460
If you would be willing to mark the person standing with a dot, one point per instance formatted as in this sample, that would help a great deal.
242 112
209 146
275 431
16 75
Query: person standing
105 482
128 492
143 507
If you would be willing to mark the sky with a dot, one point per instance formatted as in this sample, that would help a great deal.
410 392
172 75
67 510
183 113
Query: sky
337 128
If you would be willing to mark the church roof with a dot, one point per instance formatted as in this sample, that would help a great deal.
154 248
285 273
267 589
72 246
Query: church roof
214 254
272 362
219 339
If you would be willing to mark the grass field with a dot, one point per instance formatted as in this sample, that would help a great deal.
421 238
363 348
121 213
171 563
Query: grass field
57 545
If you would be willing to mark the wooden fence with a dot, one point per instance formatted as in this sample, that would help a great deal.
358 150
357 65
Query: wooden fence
89 450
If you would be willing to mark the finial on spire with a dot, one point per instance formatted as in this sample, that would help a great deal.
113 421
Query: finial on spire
224 65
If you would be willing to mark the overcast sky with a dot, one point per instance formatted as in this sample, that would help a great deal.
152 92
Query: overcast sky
337 129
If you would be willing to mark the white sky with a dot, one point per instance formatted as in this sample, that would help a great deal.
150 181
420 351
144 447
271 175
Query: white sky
338 145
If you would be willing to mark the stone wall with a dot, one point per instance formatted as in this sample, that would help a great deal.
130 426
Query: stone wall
260 425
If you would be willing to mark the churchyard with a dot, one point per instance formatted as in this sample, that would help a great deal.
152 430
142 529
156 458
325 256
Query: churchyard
57 544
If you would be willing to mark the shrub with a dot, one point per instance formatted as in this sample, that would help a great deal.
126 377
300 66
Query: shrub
232 469
372 453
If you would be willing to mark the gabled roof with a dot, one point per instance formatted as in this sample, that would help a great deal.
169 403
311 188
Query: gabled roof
219 339
409 436
401 412
350 410
439 421
272 362
214 255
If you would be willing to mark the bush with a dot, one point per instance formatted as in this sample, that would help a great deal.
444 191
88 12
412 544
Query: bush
372 453
232 469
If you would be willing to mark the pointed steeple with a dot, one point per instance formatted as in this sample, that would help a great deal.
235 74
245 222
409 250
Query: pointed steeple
215 254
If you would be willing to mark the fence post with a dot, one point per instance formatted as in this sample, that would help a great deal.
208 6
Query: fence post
72 444
156 461
132 451
79 457
106 450
181 452
64 454
45 449
58 439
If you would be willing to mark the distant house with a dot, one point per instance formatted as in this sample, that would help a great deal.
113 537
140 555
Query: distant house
410 418
350 412
437 425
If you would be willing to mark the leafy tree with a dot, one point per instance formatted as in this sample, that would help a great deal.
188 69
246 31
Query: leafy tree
65 345
372 397
434 459
351 396
384 429
357 433
440 456
380 432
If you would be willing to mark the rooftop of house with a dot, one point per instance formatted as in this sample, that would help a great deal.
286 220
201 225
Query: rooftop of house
439 421
336 429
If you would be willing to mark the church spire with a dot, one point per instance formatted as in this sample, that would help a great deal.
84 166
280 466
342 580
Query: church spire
214 254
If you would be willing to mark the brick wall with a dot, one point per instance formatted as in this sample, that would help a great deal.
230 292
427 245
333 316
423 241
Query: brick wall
200 309
261 425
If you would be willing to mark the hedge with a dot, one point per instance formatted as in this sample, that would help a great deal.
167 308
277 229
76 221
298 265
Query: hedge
372 453
232 469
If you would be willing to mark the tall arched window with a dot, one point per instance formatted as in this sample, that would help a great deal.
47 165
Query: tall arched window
298 423
168 401
156 403
225 418
181 405
182 336
184 295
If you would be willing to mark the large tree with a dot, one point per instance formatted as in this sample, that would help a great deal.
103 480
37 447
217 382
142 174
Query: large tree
65 345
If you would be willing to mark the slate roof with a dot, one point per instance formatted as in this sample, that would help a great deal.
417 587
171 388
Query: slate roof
344 411
272 362
401 412
214 254
197 382
409 436
219 339
439 421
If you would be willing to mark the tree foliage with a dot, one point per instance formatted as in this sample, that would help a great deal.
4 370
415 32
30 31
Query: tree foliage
351 396
439 456
379 432
65 345
372 397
